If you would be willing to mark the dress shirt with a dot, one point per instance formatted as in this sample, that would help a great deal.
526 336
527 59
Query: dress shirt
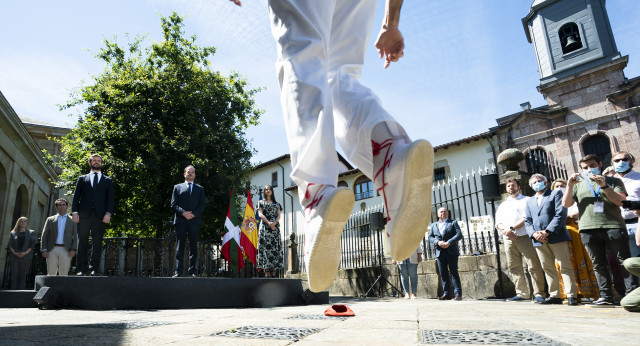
62 222
631 183
441 226
512 211
92 175
539 197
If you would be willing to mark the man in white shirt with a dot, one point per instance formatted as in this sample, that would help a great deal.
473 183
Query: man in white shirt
623 165
510 221
59 240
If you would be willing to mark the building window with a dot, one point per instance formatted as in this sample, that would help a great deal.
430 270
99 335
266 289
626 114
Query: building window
274 179
537 162
343 183
439 174
569 38
600 146
363 188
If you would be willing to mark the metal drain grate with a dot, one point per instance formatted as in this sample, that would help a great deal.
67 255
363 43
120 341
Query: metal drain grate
281 333
123 325
316 317
494 337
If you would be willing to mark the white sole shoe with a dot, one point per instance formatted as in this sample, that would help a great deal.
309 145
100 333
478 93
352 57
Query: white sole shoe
408 224
322 238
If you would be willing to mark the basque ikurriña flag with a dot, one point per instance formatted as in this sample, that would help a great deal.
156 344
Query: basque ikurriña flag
230 241
249 235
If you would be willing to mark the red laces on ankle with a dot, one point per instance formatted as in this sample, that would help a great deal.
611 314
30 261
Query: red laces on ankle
376 148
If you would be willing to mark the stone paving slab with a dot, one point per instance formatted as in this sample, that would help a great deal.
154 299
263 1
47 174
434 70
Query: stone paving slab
385 321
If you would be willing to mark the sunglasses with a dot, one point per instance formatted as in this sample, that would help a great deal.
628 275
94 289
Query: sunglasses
618 160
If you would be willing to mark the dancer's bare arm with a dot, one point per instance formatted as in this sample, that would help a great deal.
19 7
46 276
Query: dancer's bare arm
390 43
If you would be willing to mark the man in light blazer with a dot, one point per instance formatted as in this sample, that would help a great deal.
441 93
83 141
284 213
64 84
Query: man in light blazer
92 207
187 202
444 235
545 224
59 240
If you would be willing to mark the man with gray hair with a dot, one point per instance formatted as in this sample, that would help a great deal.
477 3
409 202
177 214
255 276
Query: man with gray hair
623 166
545 224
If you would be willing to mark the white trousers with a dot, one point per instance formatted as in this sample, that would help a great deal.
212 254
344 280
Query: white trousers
321 49
58 262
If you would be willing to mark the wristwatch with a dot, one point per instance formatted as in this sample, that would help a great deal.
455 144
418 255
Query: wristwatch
604 187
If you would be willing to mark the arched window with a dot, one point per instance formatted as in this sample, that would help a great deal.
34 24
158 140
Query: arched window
363 188
343 183
537 162
600 146
21 205
570 39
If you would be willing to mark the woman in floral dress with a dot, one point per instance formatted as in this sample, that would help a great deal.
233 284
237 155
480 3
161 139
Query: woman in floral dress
269 243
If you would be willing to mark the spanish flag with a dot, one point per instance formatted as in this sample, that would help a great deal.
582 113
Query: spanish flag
249 235
230 241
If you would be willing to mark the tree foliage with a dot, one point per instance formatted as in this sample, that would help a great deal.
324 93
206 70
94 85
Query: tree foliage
150 113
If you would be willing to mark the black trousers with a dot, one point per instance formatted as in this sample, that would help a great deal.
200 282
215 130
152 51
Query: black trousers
184 230
616 240
94 226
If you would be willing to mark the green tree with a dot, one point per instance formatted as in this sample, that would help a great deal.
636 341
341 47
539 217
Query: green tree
153 111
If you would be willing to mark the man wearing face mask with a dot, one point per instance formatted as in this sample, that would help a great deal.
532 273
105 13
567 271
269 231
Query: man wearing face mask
601 224
545 223
623 165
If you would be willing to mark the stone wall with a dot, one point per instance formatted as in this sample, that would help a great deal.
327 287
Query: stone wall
479 276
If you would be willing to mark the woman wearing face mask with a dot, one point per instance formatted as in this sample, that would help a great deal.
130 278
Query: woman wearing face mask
582 266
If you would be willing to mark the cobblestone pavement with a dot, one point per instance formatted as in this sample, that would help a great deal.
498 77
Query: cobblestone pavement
386 321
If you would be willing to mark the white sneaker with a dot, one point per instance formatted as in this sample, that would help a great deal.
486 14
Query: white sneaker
326 213
404 180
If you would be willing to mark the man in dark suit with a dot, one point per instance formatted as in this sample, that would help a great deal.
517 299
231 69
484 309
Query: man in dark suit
59 240
445 235
545 224
187 202
91 209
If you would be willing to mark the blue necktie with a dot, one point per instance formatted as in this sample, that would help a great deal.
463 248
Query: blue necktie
189 187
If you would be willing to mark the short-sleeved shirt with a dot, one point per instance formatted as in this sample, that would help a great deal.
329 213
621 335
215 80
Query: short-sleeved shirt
631 182
611 218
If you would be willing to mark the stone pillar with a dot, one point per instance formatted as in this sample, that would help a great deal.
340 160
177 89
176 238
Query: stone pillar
293 255
510 158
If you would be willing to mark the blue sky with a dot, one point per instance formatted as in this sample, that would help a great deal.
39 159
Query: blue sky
467 62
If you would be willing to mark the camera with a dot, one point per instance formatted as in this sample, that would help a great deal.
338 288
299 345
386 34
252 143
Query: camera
632 205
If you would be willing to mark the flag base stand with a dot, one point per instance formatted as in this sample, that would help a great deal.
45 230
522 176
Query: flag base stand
129 293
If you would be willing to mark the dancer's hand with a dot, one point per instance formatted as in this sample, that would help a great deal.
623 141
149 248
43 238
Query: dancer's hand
390 44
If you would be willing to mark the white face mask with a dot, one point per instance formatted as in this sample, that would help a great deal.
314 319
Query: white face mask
561 189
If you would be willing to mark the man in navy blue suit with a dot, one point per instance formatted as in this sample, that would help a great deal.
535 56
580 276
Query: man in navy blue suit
545 224
187 202
445 235
92 207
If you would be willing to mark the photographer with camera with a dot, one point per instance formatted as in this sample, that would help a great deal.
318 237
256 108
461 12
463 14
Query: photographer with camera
623 165
601 224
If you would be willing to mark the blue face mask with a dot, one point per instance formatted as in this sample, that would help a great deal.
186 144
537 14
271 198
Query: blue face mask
595 171
538 186
621 166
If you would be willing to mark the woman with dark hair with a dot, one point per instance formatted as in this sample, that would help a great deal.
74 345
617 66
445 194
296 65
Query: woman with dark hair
21 244
269 243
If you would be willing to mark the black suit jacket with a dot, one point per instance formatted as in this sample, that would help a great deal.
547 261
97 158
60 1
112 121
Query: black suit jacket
182 200
452 234
85 198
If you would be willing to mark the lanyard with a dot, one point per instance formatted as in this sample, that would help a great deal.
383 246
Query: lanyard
596 194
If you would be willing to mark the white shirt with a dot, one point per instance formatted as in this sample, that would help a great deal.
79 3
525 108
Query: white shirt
631 183
512 211
62 222
92 174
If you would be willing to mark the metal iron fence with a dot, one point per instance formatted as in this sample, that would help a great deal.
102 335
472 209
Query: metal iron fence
537 161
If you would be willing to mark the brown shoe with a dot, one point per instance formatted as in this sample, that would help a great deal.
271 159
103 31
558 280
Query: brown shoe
444 297
458 297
